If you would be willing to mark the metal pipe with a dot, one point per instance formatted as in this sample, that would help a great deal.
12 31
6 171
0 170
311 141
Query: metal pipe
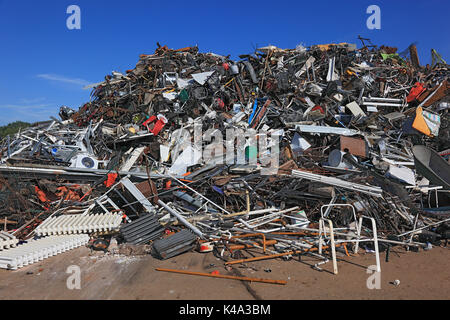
181 219
202 196
223 276
430 225
371 190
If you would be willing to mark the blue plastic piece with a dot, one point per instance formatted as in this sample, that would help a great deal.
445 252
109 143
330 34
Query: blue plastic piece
253 112
217 189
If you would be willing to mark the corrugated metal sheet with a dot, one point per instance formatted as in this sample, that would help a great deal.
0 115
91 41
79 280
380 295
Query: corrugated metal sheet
142 230
174 245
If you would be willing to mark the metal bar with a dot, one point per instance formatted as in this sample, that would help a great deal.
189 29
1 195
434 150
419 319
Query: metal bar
382 99
374 239
371 190
223 276
202 196
137 194
181 219
430 225
126 202
322 232
381 104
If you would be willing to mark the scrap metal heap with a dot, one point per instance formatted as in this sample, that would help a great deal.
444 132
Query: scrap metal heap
363 156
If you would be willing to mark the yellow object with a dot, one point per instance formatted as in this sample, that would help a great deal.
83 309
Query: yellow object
326 47
350 73
226 84
419 123
132 130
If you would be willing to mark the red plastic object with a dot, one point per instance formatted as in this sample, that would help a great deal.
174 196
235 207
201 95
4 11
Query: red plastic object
220 103
318 108
158 125
416 91
149 120
41 194
111 179
206 247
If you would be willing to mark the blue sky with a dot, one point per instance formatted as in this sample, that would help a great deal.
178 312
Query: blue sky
44 65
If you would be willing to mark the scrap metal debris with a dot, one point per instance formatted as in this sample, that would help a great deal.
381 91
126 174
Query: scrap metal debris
337 149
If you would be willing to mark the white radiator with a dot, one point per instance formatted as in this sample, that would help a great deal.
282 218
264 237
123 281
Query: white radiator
77 223
37 250
7 240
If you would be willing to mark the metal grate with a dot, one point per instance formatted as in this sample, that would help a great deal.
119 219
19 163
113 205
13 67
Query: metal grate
174 245
142 230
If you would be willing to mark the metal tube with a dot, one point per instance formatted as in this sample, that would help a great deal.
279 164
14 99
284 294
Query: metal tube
202 196
380 104
430 225
223 276
181 219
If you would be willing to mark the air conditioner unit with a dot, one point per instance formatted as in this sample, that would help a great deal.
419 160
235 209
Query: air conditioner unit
84 161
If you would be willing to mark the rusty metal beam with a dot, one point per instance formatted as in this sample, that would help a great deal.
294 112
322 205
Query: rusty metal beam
223 276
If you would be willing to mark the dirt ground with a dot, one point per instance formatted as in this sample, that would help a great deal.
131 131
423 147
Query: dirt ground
423 275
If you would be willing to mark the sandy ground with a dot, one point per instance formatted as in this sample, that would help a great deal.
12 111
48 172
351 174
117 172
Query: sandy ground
422 275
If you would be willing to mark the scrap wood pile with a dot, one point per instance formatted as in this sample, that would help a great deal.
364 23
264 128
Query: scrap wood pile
361 140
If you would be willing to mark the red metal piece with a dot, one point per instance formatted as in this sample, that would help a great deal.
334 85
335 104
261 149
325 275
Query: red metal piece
416 91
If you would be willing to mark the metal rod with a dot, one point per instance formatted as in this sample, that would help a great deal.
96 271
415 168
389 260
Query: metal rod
430 225
277 255
202 196
181 219
223 276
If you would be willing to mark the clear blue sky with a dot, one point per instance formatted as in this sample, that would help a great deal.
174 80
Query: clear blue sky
43 65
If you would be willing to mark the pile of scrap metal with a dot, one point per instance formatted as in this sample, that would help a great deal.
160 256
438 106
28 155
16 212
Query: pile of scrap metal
361 140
